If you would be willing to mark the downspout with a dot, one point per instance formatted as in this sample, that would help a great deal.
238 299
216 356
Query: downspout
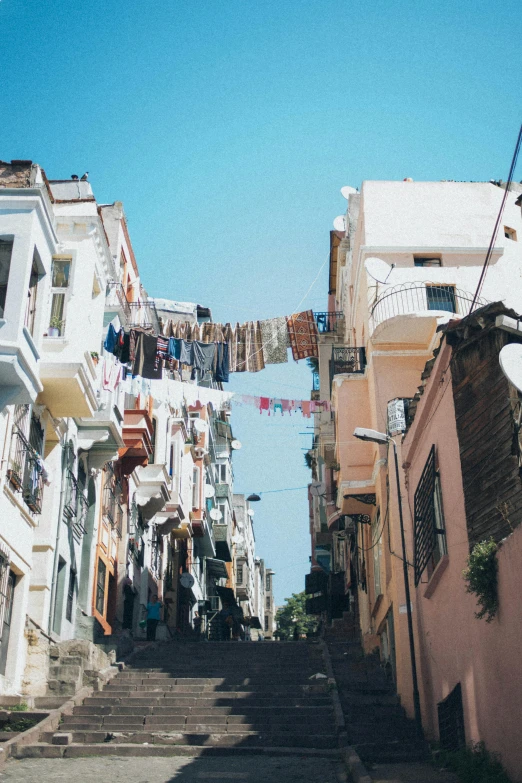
56 550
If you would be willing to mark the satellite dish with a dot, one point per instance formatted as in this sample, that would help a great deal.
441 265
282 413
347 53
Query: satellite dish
200 425
186 579
209 491
347 191
236 445
216 514
251 512
510 358
378 269
317 488
340 223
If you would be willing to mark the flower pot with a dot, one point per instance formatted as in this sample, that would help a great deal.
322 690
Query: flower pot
53 331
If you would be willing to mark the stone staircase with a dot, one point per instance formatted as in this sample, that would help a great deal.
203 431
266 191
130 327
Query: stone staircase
376 723
208 697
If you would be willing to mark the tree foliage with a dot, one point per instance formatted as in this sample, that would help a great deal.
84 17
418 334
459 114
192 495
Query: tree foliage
293 614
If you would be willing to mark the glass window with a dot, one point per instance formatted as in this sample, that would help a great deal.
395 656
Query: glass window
30 308
100 586
6 249
441 297
70 595
376 543
239 575
427 261
60 272
60 275
266 623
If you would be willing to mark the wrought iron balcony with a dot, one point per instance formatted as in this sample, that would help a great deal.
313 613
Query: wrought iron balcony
75 505
116 298
327 322
421 298
25 471
347 360
144 314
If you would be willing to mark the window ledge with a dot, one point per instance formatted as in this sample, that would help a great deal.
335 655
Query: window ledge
436 576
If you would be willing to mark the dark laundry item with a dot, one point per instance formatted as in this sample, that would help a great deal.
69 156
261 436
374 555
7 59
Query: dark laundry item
174 347
122 348
111 339
145 363
186 353
221 364
133 338
204 356
163 347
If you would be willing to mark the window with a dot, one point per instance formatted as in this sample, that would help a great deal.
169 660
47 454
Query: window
427 261
60 278
268 582
221 473
268 603
6 249
224 514
376 544
510 233
70 595
266 624
239 575
100 586
196 487
429 531
441 297
451 720
30 309
153 438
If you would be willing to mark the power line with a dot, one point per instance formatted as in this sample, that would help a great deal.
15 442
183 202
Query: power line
499 218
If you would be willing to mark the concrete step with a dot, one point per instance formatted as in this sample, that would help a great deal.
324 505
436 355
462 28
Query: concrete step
204 736
126 749
389 752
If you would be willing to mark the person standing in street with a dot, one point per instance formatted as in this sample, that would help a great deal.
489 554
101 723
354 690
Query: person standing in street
153 617
197 625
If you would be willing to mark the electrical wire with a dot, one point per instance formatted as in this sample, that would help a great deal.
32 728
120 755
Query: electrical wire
498 220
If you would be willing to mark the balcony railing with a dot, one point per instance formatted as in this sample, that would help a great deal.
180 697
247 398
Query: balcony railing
327 322
316 382
410 298
75 506
347 360
25 471
116 297
144 314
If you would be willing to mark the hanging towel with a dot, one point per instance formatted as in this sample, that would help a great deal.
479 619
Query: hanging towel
255 360
229 336
274 336
264 404
306 408
111 339
111 374
302 333
204 356
145 363
241 347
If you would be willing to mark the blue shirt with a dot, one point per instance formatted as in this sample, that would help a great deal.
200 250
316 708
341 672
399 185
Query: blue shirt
153 611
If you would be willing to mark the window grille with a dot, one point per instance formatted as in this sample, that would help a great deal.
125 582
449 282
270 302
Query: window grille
239 575
100 586
451 720
24 466
429 533
112 509
70 595
441 297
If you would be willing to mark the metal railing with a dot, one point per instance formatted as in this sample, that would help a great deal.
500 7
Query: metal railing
409 298
116 296
347 360
75 506
25 471
144 314
327 322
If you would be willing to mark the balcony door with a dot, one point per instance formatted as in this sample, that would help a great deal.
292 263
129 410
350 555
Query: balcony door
6 611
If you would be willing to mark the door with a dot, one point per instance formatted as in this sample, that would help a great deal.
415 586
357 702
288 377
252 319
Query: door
7 599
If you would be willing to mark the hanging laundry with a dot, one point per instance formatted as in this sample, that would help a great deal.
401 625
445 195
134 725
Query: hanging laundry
264 404
221 363
111 374
255 360
145 363
229 336
110 339
303 335
204 354
274 336
306 408
277 405
122 348
241 347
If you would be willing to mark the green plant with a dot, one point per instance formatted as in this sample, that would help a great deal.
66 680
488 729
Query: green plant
95 355
474 764
55 322
22 707
481 576
309 460
20 725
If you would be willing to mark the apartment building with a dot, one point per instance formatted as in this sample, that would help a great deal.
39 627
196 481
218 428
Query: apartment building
403 275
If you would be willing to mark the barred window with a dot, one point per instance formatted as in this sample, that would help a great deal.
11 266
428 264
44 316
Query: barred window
429 531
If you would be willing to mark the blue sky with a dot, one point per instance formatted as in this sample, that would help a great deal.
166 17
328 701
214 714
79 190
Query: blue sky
227 128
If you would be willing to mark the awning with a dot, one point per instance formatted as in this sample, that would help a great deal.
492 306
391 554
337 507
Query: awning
226 594
217 568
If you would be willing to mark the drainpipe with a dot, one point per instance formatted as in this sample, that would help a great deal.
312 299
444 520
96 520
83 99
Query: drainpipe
57 544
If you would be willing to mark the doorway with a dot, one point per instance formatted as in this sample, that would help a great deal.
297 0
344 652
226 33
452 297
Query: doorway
6 608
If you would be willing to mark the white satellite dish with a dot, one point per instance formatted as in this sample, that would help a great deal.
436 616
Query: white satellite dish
186 579
340 223
209 491
216 514
317 488
378 269
347 191
236 445
251 512
510 358
200 425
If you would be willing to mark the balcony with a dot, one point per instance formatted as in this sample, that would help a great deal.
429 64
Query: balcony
152 491
75 506
223 492
329 322
137 436
68 386
346 360
144 314
25 471
116 302
101 434
223 539
410 312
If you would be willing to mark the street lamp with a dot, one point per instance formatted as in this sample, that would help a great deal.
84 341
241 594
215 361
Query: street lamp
383 439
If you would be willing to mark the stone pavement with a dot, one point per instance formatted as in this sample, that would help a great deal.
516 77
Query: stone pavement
410 773
229 769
